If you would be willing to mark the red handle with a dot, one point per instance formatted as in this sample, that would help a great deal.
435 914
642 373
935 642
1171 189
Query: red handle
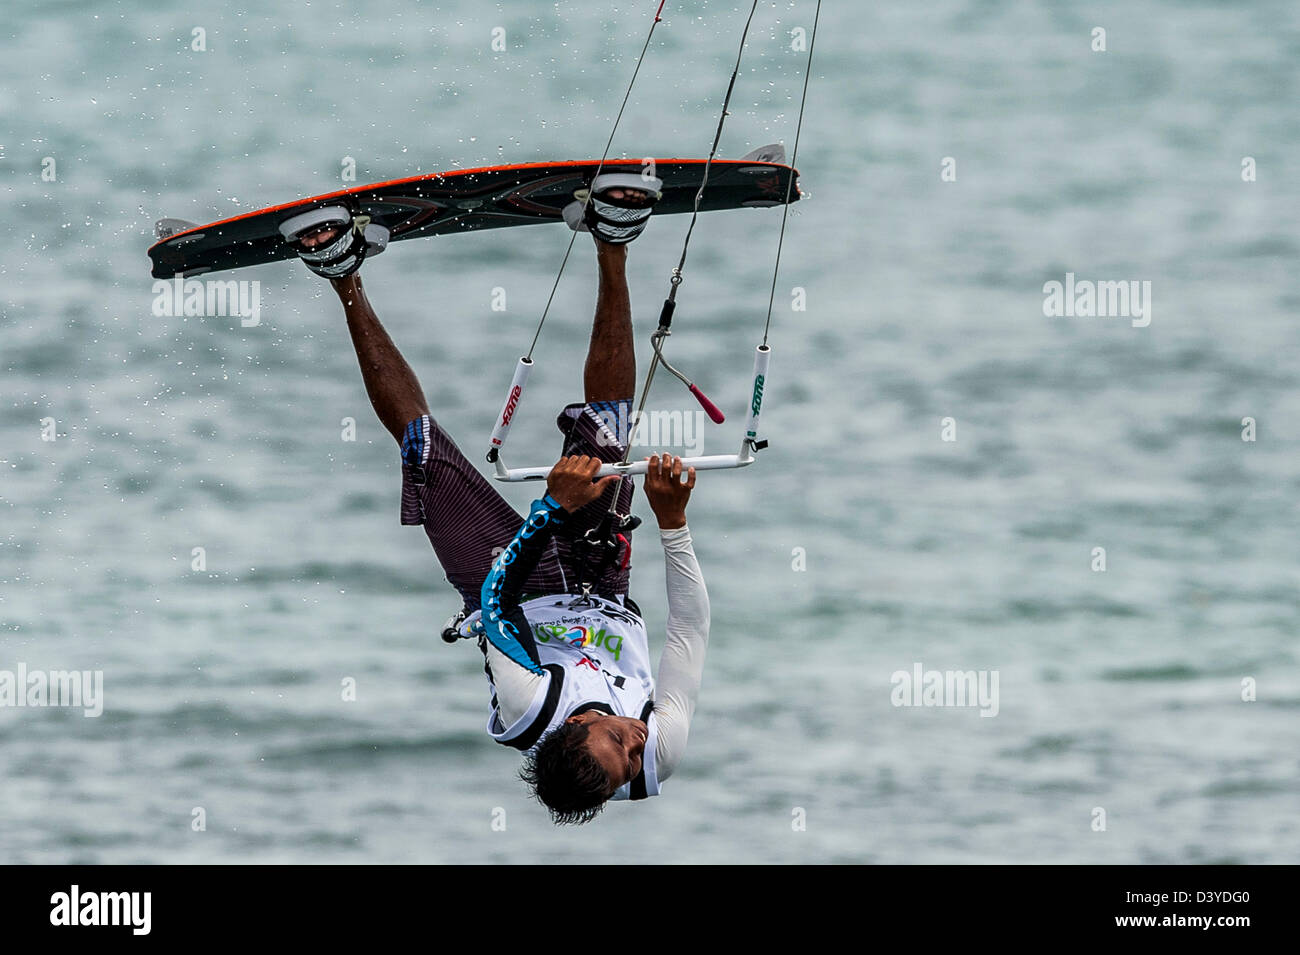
712 410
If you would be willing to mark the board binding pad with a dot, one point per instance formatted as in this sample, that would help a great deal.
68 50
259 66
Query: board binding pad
446 203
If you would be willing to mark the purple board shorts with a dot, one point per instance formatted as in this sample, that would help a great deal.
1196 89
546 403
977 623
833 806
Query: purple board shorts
469 523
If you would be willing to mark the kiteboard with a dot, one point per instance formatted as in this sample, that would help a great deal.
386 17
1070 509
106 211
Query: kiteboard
467 200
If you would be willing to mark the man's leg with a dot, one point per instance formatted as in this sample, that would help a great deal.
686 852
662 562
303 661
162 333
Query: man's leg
610 372
609 383
466 520
394 390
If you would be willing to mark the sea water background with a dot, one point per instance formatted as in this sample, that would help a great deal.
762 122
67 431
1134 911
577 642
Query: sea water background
1119 690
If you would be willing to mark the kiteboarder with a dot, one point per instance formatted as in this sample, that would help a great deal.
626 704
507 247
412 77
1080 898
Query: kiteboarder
546 596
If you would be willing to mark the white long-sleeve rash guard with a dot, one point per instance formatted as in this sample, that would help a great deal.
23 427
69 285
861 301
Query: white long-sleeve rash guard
681 668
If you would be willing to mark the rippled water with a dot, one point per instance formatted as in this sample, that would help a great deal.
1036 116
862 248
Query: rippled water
1119 690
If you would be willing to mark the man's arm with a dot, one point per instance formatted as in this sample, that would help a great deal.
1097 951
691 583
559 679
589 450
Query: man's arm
681 668
504 623
569 488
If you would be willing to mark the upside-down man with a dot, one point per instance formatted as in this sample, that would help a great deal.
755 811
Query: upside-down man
564 646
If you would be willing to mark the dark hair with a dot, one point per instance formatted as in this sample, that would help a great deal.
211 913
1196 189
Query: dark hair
565 777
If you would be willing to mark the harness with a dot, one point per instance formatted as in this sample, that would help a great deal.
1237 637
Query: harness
599 548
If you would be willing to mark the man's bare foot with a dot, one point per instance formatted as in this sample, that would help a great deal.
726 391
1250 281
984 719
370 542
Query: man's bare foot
609 248
631 194
320 237
616 208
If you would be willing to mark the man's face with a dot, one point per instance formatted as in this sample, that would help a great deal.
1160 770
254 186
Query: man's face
616 742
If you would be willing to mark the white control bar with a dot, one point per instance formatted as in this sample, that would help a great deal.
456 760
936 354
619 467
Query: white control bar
708 462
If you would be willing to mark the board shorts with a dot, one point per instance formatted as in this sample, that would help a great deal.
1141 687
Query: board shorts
469 523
